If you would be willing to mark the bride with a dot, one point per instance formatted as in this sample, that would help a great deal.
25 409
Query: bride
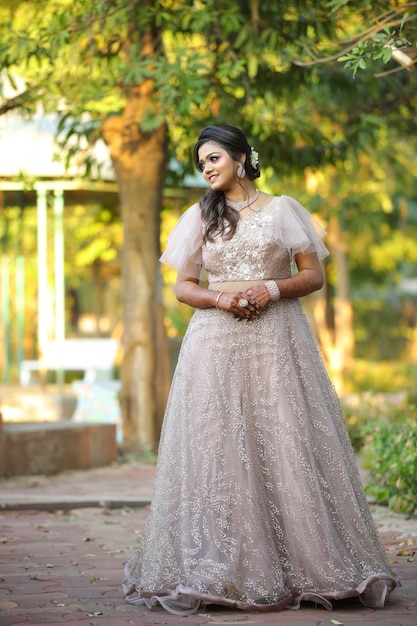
257 500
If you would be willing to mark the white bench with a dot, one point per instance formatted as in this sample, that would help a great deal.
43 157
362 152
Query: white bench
95 357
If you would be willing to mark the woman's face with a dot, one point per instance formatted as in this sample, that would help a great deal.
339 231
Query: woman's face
217 166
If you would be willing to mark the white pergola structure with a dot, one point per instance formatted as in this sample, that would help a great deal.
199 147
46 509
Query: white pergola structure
28 161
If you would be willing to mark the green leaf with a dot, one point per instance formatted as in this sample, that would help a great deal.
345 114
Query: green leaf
387 54
405 16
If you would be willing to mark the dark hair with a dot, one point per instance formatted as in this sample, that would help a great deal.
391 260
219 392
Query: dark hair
218 217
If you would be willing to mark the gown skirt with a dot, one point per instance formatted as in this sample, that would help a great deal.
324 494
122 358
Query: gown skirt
258 502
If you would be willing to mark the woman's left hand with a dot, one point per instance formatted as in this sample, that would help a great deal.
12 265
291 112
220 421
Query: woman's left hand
260 295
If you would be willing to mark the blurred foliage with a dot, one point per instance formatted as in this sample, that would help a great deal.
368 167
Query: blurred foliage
383 429
363 407
177 314
390 455
256 64
380 376
96 237
383 324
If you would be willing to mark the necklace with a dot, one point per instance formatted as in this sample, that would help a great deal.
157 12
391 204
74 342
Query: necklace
239 206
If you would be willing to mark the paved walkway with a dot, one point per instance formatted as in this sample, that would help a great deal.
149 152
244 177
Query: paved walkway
64 540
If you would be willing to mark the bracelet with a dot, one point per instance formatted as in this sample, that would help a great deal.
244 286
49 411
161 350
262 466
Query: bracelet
217 300
273 289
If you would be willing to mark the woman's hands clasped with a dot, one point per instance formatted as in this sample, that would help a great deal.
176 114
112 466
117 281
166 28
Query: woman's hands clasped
260 296
246 305
241 305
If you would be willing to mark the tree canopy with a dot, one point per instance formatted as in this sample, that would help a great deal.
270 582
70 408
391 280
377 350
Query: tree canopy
248 61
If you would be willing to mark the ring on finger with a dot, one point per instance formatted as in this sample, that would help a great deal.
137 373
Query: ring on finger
243 302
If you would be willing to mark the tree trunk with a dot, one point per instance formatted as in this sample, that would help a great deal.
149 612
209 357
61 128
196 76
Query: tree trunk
336 331
139 160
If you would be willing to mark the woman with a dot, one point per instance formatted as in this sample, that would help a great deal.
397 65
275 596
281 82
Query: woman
257 501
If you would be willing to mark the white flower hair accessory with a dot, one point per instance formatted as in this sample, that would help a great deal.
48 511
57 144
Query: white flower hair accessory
254 158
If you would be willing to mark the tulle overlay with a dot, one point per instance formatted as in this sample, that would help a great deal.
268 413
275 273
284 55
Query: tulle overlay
284 220
257 500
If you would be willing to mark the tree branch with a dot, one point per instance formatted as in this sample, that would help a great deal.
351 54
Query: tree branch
9 106
386 21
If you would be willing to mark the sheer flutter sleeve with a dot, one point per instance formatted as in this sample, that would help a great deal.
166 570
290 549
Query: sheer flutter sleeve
183 251
297 230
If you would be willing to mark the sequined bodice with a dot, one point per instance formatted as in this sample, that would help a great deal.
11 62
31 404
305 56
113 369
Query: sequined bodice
252 253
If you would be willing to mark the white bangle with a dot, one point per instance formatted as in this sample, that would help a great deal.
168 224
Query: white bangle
273 289
217 300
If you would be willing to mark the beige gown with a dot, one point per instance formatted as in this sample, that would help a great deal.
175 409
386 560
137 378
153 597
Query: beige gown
257 500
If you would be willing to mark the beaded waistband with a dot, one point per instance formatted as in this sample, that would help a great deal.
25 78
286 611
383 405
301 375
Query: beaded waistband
235 285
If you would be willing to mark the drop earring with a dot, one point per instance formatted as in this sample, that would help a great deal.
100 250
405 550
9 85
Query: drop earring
241 172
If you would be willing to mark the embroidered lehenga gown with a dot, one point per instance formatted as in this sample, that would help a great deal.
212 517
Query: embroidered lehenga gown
257 500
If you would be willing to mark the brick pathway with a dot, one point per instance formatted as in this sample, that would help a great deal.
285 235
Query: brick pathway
64 565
